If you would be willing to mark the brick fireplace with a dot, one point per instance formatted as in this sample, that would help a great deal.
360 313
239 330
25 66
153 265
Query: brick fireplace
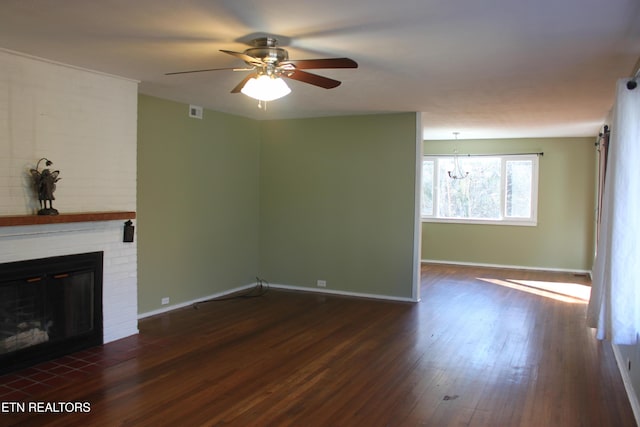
86 123
119 270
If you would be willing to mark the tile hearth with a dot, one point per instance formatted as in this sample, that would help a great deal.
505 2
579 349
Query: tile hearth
29 383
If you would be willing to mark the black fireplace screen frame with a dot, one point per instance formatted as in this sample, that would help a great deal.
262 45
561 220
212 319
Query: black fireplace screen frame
50 272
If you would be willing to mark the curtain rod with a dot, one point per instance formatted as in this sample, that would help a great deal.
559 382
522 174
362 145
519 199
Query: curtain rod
539 153
604 134
633 83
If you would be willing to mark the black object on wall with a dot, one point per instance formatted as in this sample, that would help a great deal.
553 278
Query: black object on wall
129 229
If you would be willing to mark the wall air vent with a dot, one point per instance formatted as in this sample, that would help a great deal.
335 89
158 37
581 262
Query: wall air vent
195 112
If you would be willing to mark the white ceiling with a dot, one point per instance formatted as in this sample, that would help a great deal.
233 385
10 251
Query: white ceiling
484 68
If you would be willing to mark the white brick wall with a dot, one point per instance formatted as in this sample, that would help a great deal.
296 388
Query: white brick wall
86 123
83 121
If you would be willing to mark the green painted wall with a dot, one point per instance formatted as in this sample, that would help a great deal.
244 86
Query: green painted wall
337 202
563 238
197 203
224 199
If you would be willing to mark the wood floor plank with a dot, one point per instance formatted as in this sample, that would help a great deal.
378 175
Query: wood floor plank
485 347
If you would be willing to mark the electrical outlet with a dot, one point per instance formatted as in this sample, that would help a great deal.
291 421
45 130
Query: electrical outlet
165 301
322 283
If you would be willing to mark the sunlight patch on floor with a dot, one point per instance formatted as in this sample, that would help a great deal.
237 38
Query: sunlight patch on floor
574 293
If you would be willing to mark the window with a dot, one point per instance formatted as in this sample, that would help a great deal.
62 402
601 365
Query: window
498 189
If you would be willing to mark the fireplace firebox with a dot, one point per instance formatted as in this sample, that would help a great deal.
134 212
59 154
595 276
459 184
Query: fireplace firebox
49 307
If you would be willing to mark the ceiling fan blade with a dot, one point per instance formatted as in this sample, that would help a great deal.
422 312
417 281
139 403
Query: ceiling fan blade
240 85
244 57
202 71
313 79
310 64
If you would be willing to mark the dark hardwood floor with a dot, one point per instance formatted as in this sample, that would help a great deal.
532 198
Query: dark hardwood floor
485 347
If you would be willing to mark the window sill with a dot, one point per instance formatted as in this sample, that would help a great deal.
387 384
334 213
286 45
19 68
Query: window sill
523 223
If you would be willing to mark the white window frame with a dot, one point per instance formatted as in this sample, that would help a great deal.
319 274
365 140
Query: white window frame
532 220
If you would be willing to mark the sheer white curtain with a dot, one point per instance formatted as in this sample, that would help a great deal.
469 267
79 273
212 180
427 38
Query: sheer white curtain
614 308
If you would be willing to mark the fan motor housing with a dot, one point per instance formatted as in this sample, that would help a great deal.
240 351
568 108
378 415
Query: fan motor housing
266 49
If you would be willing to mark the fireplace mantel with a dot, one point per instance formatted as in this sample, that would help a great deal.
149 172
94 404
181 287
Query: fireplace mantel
14 220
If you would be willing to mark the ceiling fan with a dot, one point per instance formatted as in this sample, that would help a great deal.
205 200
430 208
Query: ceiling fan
268 63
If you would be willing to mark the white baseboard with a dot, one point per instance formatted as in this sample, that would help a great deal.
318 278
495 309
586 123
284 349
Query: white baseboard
628 385
187 303
275 286
512 267
342 293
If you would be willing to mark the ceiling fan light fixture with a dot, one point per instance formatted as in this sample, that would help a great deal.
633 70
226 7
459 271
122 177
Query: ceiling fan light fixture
265 88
